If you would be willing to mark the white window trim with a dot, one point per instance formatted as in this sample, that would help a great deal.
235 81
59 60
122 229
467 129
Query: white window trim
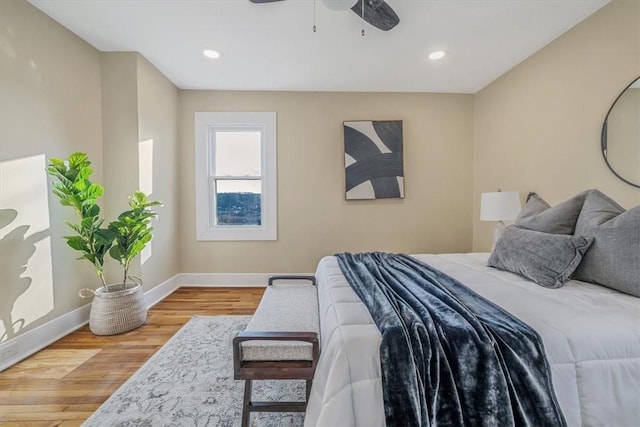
204 123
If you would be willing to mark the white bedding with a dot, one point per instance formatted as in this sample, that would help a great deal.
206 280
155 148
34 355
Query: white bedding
591 336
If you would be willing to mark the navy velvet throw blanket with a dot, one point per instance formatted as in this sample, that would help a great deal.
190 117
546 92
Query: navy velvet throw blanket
450 357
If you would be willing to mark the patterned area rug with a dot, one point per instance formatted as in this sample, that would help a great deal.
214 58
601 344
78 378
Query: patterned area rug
189 382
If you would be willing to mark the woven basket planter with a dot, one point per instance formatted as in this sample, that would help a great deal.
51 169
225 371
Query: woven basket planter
117 312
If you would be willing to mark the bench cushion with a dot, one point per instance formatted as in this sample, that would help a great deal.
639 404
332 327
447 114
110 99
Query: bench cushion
290 308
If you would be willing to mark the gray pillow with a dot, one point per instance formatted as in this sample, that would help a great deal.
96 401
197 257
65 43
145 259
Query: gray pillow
546 259
538 215
614 259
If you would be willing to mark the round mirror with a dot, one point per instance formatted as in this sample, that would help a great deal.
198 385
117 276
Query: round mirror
620 140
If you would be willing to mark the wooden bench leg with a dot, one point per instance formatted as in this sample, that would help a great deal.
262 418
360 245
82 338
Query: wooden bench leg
248 406
246 412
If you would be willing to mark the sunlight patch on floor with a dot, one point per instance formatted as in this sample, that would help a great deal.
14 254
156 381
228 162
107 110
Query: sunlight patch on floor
52 364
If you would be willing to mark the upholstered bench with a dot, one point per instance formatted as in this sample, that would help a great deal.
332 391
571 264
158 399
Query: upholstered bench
279 343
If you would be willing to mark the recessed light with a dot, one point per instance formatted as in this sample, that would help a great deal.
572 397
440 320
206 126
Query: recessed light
436 55
210 53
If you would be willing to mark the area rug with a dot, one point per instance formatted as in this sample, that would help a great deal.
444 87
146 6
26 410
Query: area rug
189 382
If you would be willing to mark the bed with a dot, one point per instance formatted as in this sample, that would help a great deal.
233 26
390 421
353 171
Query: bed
591 336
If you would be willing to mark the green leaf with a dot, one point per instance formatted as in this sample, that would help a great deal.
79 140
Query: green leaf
124 215
90 257
135 249
91 210
84 173
57 163
94 191
75 227
74 201
62 194
77 243
80 185
116 253
104 237
139 198
72 175
78 160
88 223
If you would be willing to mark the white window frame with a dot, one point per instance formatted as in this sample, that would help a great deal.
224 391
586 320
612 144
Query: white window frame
206 124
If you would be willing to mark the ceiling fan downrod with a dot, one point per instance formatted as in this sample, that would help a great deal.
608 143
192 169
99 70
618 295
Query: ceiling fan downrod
314 16
362 18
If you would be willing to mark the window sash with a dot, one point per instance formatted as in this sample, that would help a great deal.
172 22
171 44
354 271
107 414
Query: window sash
213 201
233 127
213 177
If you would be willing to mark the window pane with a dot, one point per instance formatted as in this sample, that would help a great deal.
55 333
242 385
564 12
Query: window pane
237 153
238 202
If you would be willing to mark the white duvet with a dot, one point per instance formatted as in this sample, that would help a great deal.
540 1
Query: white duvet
591 336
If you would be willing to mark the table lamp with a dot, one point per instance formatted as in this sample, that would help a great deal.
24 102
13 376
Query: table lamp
499 206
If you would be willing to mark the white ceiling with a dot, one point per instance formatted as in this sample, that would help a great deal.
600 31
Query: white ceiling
273 47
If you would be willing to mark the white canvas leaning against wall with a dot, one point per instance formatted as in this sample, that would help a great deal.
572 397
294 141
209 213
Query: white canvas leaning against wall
373 159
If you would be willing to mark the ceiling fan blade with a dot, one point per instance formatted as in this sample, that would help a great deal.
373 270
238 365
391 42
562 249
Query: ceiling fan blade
264 1
377 13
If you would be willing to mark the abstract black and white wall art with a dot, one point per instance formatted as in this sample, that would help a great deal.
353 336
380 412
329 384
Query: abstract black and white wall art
373 159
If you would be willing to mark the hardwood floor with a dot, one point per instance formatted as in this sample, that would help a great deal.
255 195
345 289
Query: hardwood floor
63 384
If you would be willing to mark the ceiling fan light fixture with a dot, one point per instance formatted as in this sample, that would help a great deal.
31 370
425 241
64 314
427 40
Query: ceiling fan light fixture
438 54
210 53
339 5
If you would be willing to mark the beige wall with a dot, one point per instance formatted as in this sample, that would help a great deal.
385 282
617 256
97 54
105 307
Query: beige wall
50 105
313 217
120 136
537 128
140 108
623 134
158 126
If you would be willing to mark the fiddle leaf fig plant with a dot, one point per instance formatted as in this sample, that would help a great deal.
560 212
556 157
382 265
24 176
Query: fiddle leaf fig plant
123 239
74 189
132 231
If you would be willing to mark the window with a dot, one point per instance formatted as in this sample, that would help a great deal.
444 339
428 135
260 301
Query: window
236 176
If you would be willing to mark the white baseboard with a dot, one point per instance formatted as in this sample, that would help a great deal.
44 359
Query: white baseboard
232 279
24 345
160 292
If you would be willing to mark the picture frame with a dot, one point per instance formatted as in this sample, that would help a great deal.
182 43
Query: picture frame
373 151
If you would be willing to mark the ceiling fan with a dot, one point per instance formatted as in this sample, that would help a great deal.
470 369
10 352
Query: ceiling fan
376 12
